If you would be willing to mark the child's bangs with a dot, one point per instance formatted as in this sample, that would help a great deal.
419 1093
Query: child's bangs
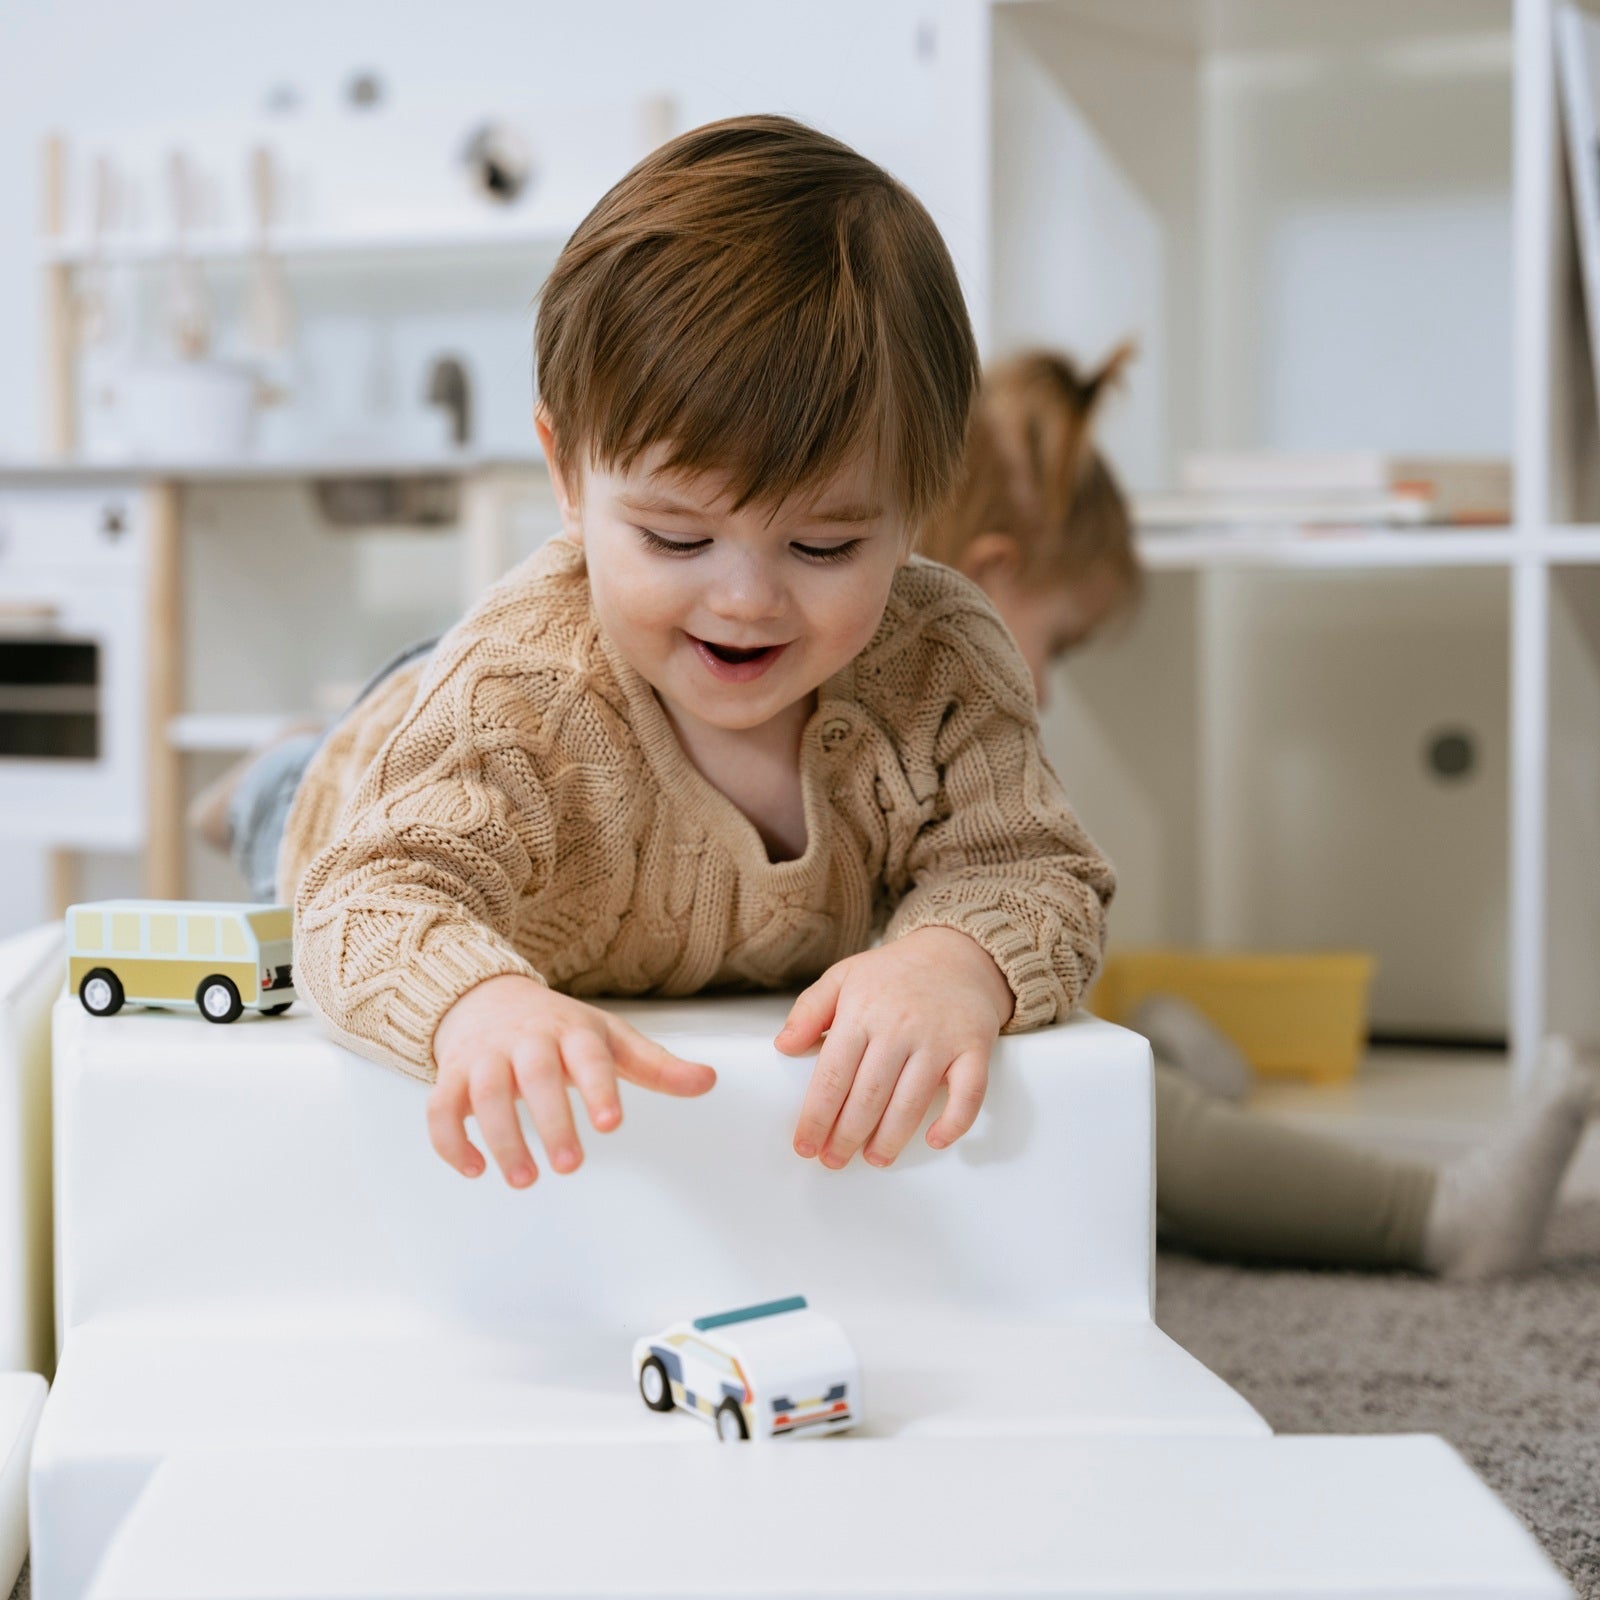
776 413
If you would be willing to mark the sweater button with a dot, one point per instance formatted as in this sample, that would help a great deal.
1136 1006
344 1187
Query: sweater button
834 732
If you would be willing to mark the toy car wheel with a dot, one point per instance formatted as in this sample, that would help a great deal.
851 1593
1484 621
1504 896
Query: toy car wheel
730 1421
654 1385
218 999
276 1011
101 993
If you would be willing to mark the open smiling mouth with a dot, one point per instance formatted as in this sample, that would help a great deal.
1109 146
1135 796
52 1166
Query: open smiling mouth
728 652
735 663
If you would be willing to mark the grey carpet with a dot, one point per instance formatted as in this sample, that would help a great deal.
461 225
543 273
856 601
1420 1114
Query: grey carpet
1508 1372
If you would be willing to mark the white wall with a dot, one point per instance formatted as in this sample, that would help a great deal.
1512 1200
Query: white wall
902 80
1358 246
1096 202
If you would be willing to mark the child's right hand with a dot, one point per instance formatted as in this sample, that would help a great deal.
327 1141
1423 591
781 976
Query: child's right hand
512 1037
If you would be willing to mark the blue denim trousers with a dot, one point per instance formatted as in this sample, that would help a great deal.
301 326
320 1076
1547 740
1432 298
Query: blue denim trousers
258 808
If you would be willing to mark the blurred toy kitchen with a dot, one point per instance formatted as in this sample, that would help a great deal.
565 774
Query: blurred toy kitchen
270 282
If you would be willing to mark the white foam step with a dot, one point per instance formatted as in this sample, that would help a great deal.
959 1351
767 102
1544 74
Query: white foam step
1325 1517
21 1400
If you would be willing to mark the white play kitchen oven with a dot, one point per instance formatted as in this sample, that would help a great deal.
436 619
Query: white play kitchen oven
73 651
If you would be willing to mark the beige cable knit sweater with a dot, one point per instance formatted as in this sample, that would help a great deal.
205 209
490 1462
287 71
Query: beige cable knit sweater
518 802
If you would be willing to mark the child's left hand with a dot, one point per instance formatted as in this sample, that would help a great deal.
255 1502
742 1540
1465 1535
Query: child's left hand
901 1019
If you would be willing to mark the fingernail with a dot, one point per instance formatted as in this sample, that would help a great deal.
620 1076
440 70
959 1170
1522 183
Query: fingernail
936 1142
833 1162
805 1148
564 1160
473 1169
607 1117
877 1161
521 1177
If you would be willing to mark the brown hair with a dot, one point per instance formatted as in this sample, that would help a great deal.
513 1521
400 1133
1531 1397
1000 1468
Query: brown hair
1031 471
766 301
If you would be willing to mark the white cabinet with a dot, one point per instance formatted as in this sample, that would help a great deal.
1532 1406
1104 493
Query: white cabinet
73 665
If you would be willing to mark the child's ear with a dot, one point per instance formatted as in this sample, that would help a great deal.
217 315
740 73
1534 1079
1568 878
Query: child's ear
989 559
566 502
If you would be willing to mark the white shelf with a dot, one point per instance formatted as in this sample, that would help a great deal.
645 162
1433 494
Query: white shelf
1269 25
1572 543
1448 547
299 245
227 731
371 464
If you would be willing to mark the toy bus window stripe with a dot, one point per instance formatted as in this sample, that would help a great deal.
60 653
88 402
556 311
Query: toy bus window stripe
770 1308
163 934
88 930
201 935
126 934
233 938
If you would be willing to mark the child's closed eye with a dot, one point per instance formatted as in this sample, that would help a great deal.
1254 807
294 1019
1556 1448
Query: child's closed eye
688 547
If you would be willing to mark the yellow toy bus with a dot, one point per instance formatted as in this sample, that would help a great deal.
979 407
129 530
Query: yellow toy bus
217 956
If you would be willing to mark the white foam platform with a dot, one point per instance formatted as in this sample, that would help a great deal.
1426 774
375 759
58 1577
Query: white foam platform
261 1259
21 1401
31 970
848 1518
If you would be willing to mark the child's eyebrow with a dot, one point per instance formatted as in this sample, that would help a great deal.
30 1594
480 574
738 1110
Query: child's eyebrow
661 506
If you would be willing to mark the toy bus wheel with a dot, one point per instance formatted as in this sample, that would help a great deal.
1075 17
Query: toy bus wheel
218 999
101 993
730 1421
276 1011
654 1385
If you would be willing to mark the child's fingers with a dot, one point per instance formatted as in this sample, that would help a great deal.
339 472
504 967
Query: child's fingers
812 1012
496 1110
652 1066
908 1105
542 1083
880 1070
447 1127
594 1074
968 1080
830 1082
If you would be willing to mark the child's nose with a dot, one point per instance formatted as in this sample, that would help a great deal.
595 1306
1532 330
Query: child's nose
748 594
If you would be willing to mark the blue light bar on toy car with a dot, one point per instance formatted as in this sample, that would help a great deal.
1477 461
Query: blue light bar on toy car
772 1308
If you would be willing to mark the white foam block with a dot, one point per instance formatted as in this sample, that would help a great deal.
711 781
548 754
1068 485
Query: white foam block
843 1518
21 1401
32 967
279 1171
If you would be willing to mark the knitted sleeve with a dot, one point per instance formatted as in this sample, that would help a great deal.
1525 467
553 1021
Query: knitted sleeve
1002 857
414 900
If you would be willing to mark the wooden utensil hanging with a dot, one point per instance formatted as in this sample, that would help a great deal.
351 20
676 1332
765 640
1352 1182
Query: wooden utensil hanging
188 314
269 312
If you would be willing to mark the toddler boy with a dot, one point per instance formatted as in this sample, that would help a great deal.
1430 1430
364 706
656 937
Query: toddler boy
724 728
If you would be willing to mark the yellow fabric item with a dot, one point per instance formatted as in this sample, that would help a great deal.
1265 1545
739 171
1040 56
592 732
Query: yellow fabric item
1289 1015
517 802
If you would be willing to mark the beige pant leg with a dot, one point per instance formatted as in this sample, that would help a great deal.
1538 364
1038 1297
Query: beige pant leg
1232 1182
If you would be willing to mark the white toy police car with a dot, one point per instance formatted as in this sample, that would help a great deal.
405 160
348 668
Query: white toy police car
756 1373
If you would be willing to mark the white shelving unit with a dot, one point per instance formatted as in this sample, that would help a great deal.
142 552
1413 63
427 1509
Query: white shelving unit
1328 227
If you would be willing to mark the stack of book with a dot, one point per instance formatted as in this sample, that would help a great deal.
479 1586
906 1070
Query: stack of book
1252 491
